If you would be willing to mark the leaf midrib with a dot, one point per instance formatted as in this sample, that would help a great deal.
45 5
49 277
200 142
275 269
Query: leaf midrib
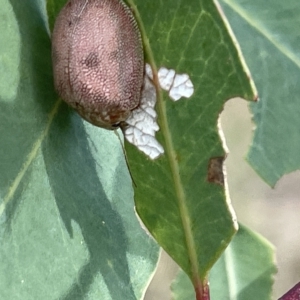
171 154
181 197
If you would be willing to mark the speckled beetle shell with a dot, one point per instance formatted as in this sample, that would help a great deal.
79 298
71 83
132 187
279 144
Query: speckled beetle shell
98 60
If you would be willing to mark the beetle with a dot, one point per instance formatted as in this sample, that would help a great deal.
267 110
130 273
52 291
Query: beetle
98 60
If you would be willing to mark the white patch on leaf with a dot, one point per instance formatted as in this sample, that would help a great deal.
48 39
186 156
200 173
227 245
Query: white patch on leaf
165 78
141 125
178 85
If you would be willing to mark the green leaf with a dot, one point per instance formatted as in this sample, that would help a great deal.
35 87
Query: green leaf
275 66
244 271
186 214
68 228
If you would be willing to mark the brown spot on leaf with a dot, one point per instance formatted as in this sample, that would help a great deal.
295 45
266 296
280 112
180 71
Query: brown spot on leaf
215 170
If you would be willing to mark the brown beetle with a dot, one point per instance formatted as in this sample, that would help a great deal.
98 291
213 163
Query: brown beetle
98 60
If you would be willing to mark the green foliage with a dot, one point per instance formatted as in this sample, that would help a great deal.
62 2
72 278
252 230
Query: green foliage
68 227
274 63
186 214
244 271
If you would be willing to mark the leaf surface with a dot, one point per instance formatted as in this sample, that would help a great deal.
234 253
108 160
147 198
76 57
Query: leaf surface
244 271
186 214
274 62
68 228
